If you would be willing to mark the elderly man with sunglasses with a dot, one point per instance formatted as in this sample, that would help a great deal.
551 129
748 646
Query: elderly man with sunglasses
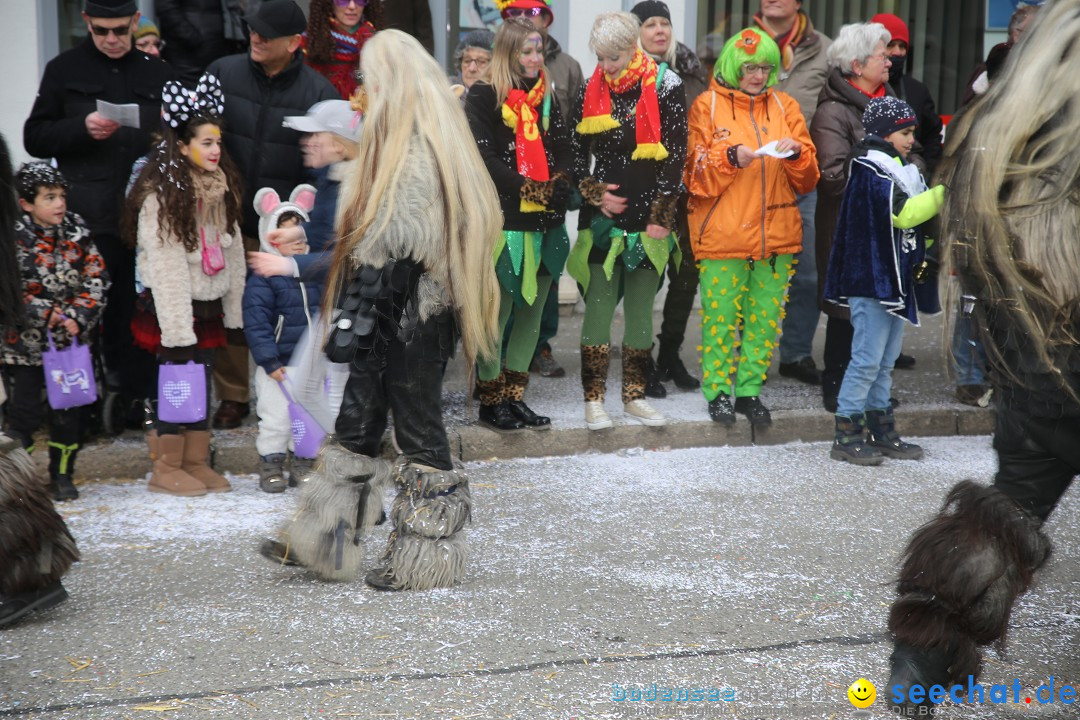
95 154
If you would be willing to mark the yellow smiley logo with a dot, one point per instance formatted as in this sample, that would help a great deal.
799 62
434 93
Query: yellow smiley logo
862 693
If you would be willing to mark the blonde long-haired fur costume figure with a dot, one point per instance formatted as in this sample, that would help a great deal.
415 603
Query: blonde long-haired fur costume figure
412 272
1011 225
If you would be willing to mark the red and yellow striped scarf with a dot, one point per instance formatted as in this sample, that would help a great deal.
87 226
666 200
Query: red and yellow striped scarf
519 114
596 115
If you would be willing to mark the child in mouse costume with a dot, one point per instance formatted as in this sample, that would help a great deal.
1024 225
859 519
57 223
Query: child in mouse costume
277 311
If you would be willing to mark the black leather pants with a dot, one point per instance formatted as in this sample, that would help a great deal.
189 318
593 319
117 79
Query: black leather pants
407 381
1038 459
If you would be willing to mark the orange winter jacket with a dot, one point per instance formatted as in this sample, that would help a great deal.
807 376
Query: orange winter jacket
749 212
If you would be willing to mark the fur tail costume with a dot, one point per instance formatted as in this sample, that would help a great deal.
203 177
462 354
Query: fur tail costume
339 504
426 549
961 574
36 548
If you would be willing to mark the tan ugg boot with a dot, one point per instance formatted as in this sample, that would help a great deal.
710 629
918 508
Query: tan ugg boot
196 461
168 477
152 444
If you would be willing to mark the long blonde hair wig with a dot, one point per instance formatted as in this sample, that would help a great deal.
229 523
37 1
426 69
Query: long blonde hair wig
408 97
1012 211
505 69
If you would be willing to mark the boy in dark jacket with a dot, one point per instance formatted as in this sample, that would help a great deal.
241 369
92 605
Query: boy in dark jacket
876 249
64 283
277 311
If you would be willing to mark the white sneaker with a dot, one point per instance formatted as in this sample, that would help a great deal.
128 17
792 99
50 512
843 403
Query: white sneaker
644 413
596 417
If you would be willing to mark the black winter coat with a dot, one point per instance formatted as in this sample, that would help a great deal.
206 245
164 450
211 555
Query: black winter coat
928 131
606 156
266 152
97 170
498 148
411 16
194 35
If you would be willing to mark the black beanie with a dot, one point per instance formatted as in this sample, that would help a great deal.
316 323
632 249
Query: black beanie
111 8
885 115
651 8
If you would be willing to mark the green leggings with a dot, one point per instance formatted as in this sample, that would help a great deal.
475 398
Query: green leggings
639 291
737 299
521 345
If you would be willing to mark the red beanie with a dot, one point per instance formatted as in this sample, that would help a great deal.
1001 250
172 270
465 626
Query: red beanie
896 27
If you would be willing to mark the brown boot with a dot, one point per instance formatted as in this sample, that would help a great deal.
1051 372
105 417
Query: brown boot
168 477
196 461
152 444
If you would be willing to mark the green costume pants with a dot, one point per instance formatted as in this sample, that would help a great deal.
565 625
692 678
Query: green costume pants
639 290
742 307
521 343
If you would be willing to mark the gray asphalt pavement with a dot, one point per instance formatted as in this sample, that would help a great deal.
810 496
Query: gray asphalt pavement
761 572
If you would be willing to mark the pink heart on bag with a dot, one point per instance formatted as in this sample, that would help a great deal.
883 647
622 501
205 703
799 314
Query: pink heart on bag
176 392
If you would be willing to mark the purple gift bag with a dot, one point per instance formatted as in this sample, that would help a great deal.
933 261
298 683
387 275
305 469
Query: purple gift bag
307 434
182 393
69 375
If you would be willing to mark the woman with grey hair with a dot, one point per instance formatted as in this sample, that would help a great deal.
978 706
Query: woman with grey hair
858 72
472 58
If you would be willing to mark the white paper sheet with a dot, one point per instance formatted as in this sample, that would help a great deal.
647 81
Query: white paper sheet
126 114
770 150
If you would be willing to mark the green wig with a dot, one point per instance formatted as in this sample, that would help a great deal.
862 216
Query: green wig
748 46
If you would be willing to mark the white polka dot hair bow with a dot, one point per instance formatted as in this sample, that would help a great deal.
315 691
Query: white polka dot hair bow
178 104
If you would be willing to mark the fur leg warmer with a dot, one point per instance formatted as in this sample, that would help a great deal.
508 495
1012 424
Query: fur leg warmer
339 504
36 548
961 574
427 546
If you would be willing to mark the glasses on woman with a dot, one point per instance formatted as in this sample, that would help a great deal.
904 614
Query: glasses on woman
480 63
524 12
751 69
346 3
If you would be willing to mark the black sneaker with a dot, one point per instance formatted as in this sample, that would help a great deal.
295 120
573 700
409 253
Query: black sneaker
500 418
752 408
525 414
904 362
14 607
803 370
720 410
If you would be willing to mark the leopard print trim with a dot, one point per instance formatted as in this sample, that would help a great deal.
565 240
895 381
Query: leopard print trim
592 190
594 369
662 211
492 392
635 363
516 382
536 191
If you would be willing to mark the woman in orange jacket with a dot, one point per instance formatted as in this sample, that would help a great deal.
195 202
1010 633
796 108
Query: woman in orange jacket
749 155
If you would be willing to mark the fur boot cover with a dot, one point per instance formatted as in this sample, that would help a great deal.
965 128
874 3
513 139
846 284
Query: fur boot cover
36 548
339 504
427 548
961 574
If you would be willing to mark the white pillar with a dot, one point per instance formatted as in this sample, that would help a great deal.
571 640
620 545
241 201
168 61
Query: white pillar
20 54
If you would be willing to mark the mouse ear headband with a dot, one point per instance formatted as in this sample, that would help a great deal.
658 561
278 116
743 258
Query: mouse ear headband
178 104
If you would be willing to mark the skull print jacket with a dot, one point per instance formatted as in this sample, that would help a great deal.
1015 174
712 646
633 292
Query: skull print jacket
62 272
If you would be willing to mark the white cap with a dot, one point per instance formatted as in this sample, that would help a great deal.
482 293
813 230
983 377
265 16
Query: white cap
335 116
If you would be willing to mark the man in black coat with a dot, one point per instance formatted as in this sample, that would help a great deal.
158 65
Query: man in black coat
916 94
96 154
411 16
261 88
194 32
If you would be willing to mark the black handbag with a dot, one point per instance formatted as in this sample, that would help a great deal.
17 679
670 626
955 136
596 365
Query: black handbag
373 309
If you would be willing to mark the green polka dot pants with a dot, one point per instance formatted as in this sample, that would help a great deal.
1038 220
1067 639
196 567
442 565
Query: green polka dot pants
742 308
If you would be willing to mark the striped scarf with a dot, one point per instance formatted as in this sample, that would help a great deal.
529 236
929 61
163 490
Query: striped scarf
790 40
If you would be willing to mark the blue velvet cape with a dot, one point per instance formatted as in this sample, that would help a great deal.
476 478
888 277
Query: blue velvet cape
869 257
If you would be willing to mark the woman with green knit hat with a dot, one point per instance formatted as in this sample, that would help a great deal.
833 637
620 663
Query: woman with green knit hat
749 155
